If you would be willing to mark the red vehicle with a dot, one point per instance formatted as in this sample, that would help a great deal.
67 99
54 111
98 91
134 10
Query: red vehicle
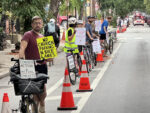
138 22
148 20
62 21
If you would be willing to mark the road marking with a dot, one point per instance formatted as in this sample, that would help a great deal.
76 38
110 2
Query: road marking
54 87
86 96
59 97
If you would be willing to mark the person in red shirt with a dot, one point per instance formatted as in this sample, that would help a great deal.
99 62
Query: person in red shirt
29 50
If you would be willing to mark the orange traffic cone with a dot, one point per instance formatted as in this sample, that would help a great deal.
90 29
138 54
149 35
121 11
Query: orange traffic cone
67 101
118 30
99 57
5 104
84 85
63 36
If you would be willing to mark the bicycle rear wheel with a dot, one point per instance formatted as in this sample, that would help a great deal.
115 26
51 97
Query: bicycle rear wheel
106 46
110 46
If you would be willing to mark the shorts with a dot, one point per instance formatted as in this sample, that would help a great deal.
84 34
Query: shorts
103 37
42 68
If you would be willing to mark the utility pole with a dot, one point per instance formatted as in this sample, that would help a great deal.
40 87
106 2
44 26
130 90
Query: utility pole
67 12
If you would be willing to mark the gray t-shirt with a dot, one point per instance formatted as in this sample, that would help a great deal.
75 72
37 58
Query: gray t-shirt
88 28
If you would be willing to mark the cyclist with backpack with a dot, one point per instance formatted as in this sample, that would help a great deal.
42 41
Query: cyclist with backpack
51 29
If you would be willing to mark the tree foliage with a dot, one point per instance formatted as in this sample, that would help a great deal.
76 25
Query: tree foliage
122 7
147 4
25 9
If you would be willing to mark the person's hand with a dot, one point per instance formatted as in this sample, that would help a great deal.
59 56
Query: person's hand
74 31
21 55
48 60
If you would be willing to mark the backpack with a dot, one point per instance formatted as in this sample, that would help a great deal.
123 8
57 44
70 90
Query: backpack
51 28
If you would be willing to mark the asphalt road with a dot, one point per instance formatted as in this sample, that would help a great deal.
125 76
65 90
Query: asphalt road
121 84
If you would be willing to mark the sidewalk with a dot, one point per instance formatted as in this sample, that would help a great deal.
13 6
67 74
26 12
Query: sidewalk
5 57
5 62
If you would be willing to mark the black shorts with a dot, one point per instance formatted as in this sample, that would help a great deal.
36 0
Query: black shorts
103 37
42 68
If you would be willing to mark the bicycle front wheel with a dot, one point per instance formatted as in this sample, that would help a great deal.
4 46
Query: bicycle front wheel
106 46
72 76
110 46
31 106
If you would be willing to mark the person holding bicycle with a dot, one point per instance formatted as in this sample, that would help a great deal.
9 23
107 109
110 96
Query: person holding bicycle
29 51
103 32
88 26
70 39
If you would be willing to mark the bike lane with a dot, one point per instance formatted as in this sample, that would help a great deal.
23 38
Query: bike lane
124 87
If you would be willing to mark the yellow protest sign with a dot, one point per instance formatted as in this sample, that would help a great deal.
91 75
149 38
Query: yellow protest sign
46 47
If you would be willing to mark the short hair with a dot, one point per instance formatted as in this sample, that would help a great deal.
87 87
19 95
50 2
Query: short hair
36 18
109 17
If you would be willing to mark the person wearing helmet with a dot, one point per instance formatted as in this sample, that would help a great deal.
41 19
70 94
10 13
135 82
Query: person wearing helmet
51 29
70 40
70 36
80 23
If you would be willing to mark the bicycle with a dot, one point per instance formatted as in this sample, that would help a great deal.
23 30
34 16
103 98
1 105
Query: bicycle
26 87
108 46
73 65
111 43
86 55
89 56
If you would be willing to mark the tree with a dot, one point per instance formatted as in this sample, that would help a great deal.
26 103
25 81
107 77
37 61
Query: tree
147 5
25 9
77 5
122 7
54 7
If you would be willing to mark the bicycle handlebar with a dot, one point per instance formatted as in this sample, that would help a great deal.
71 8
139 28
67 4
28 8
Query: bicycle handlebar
70 50
38 61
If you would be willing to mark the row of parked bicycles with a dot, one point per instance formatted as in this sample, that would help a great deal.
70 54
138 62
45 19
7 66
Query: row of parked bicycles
74 61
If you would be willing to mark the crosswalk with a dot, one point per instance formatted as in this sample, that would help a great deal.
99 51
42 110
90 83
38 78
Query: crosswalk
138 29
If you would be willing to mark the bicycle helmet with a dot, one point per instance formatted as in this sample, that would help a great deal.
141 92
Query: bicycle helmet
52 20
72 21
80 22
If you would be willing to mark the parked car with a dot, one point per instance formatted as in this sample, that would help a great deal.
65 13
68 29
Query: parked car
138 22
148 20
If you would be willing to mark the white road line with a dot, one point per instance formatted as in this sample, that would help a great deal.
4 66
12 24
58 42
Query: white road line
86 96
59 97
54 87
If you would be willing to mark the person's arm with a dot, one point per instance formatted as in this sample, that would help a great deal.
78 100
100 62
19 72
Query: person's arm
89 35
45 30
71 35
23 46
105 29
87 32
105 25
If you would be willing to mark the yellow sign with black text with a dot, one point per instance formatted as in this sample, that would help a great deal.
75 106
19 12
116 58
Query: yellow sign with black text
46 47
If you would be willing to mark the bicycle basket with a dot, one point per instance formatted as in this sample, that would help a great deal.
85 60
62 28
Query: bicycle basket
25 87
